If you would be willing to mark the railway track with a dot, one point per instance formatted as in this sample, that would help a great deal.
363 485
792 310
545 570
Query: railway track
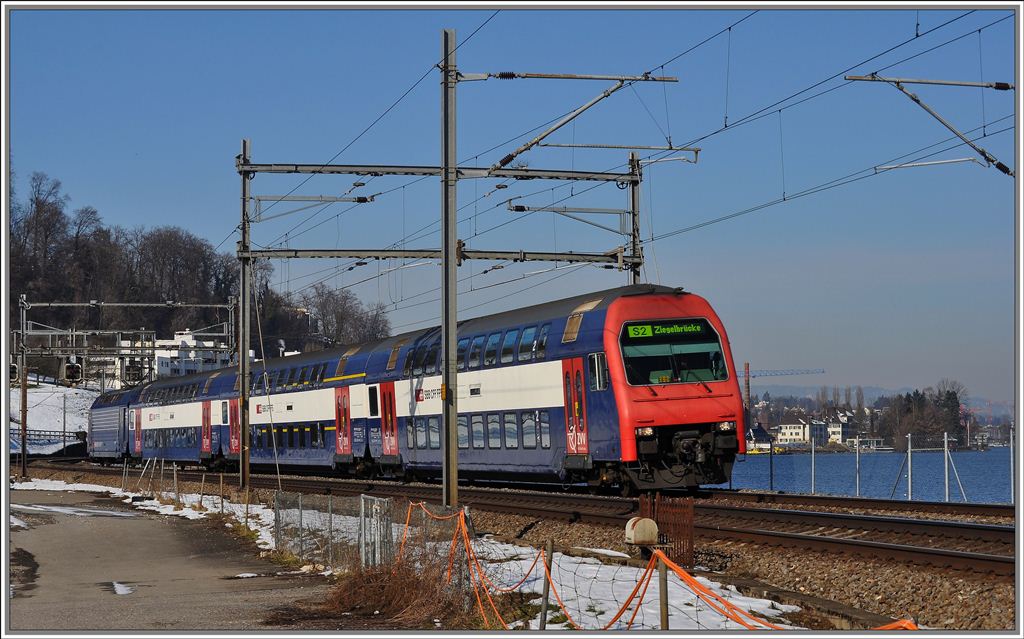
955 545
854 503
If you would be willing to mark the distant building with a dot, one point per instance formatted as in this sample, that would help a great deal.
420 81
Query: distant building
801 431
842 430
758 438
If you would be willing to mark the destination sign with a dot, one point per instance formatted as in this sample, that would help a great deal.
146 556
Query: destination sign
672 330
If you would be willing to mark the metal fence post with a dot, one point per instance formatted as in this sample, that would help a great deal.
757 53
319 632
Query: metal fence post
162 460
362 532
177 494
945 462
771 464
246 506
663 592
124 475
549 549
910 469
222 493
330 530
277 520
858 466
812 458
1013 469
202 491
302 545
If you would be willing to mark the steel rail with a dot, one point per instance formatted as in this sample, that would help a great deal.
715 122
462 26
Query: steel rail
881 523
958 508
956 559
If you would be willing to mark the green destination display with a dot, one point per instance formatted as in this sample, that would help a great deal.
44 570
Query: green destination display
653 330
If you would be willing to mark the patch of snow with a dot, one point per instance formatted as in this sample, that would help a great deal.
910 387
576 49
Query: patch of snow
122 589
246 575
77 511
602 551
17 523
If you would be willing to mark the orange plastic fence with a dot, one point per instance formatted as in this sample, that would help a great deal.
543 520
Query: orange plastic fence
481 582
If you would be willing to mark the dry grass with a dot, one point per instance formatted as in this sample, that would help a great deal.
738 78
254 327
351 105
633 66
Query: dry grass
410 594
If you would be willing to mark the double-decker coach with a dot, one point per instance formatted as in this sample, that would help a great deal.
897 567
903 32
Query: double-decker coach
632 387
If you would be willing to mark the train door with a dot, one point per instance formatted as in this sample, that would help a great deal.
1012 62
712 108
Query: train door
207 431
137 415
576 431
342 422
388 421
234 433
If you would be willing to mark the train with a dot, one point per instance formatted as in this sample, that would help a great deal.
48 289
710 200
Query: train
631 388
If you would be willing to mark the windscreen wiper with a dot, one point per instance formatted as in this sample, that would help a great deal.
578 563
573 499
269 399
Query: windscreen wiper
690 372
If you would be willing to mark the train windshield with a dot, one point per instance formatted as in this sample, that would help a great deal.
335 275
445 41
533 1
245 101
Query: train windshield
672 352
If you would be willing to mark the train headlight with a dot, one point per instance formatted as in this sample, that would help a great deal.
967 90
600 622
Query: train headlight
726 425
647 431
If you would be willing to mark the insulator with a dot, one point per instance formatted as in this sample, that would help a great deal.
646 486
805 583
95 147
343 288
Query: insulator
505 160
362 200
519 208
506 75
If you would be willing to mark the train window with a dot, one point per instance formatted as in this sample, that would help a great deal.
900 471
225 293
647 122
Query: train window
529 430
302 437
491 352
292 437
294 376
393 358
320 372
511 430
235 386
545 429
598 368
417 359
540 350
223 412
463 427
410 442
460 357
526 343
430 361
373 401
508 346
320 436
340 369
434 430
572 328
478 430
306 370
421 432
474 351
493 431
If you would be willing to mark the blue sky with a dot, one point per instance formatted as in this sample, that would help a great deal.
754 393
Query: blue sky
895 280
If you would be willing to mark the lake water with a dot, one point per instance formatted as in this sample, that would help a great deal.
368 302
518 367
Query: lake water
985 475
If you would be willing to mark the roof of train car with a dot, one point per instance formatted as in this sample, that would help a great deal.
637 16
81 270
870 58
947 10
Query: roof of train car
515 317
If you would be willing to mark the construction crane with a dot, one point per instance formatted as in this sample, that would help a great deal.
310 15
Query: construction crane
747 374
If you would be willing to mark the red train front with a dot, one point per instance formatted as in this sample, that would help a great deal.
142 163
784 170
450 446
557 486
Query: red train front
679 404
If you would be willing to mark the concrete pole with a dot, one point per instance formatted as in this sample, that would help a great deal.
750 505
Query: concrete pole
245 299
449 262
945 462
64 426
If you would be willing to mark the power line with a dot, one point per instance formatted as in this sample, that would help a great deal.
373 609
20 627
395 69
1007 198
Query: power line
386 111
846 179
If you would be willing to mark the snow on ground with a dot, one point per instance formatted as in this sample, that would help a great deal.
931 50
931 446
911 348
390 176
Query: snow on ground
46 413
591 591
46 407
17 523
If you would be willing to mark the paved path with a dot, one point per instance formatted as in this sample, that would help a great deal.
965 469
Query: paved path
64 565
